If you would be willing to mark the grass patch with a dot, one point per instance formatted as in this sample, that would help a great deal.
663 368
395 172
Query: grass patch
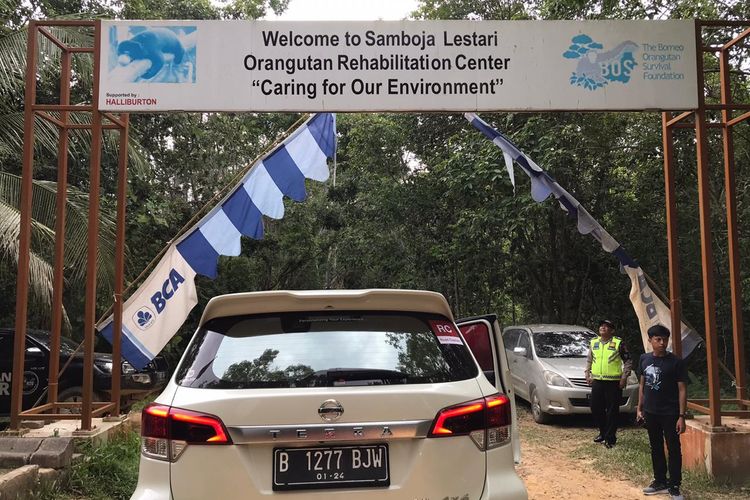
107 471
143 402
630 460
631 457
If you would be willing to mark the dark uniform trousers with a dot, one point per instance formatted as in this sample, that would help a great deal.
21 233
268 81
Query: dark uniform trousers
605 407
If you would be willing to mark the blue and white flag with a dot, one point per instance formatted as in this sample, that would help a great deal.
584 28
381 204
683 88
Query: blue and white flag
652 311
648 307
154 313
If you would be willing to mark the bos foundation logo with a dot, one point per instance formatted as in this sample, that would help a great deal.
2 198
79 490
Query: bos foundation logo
597 68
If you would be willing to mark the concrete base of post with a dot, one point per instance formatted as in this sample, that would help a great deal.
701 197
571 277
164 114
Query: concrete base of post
87 433
115 418
723 452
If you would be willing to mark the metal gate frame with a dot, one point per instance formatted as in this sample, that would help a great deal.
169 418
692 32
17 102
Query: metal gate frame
726 124
58 114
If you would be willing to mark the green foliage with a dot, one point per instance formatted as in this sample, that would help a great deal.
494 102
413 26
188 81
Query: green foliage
472 9
108 471
44 194
261 369
116 460
14 17
200 9
419 200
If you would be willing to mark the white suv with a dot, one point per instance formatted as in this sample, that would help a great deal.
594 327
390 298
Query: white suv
333 394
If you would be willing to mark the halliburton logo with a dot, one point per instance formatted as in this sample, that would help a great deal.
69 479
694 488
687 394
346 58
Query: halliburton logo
130 101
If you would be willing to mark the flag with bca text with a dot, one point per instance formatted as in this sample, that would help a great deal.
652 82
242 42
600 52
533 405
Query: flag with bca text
154 313
652 311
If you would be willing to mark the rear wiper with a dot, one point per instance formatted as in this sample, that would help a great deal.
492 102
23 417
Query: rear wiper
367 375
364 373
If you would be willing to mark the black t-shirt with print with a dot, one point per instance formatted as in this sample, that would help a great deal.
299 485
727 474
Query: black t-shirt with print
660 393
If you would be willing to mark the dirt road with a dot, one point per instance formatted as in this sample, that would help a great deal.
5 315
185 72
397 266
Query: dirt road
551 471
559 461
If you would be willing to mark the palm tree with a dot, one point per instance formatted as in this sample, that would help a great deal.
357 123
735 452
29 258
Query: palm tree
13 39
43 237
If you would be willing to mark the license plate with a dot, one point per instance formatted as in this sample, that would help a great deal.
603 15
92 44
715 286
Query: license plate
331 467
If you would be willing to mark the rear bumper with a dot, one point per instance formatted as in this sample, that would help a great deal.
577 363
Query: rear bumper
500 485
244 472
503 483
575 400
153 481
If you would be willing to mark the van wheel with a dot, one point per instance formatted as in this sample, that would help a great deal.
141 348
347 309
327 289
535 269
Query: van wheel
539 416
74 395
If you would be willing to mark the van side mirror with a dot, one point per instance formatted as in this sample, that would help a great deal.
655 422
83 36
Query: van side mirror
34 352
521 351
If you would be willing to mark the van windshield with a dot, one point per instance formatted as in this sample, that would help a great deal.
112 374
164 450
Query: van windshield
324 349
562 344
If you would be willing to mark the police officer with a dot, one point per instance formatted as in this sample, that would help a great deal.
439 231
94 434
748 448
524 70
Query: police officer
607 370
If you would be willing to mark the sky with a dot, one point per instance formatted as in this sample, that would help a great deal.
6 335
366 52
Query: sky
346 10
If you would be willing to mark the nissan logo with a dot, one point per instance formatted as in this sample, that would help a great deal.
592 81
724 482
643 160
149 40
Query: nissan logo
330 410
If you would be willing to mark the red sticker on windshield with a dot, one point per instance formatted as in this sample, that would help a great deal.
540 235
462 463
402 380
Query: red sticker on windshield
445 332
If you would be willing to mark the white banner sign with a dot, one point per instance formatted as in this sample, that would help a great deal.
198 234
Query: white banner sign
397 65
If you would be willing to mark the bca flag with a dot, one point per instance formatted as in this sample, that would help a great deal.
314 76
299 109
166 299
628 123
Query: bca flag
652 311
154 313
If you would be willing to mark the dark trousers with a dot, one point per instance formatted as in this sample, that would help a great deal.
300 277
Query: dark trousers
663 428
605 407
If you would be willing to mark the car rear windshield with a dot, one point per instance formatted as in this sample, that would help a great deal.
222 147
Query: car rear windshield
564 344
325 349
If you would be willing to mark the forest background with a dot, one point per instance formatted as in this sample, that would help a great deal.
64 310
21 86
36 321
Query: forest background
419 200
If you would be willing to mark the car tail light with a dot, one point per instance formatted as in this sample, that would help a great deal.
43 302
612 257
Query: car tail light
486 421
167 431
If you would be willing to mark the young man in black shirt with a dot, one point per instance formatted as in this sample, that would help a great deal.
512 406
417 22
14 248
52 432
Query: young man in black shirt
661 405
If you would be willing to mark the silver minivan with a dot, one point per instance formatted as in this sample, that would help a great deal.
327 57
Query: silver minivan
547 364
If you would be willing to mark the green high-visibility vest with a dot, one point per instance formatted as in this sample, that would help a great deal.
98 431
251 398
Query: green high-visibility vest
606 363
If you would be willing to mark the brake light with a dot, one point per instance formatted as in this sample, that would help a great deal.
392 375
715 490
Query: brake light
167 431
486 421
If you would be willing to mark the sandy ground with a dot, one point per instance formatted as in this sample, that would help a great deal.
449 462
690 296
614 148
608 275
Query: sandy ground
551 473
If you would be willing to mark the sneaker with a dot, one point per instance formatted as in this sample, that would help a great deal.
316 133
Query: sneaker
674 493
609 444
655 488
599 439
